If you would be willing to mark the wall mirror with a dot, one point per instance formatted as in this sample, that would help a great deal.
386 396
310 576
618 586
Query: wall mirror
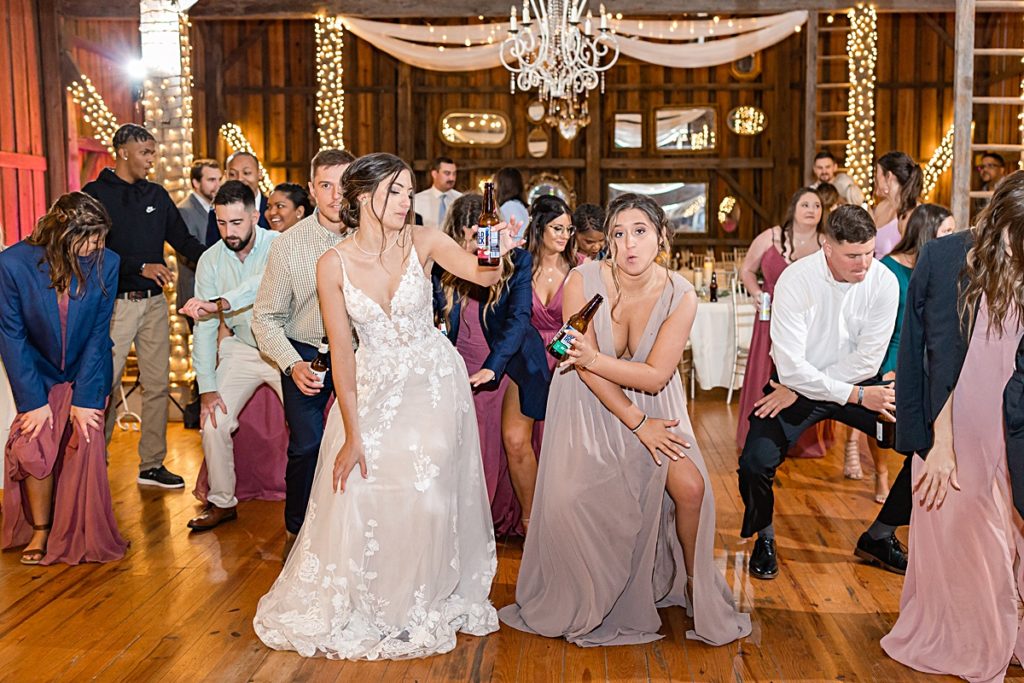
746 120
464 128
535 111
537 142
684 203
549 183
629 130
685 129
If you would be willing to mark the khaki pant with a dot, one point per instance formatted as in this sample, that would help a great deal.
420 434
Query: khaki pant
240 372
145 323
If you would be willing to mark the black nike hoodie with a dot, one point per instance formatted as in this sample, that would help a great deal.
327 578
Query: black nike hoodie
142 217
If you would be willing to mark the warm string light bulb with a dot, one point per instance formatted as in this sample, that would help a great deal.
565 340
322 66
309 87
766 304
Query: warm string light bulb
94 110
237 141
942 159
330 95
862 57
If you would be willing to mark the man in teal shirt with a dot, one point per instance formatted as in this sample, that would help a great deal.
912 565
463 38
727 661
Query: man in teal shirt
227 277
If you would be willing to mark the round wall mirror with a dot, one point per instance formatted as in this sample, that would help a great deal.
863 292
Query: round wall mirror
535 111
537 142
746 120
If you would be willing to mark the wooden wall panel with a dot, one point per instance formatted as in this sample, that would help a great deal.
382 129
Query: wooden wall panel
23 162
267 85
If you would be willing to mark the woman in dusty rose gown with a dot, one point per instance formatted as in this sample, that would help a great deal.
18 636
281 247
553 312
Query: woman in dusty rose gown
57 291
958 612
491 330
624 512
801 234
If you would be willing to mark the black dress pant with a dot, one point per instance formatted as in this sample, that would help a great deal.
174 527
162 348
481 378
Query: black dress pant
770 438
305 416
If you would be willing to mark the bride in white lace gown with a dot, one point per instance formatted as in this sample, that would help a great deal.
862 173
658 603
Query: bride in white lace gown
396 553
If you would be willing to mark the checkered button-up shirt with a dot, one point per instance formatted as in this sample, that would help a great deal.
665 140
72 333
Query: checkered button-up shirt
287 306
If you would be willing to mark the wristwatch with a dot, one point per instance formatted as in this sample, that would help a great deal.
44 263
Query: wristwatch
288 370
142 268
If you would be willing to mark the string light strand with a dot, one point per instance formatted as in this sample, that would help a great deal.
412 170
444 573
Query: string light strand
236 140
862 57
94 110
330 95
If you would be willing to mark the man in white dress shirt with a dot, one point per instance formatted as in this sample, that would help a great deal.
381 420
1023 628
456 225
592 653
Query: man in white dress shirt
826 170
832 318
432 203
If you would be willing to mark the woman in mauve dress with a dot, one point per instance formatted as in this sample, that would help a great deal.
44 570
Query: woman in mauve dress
965 305
624 518
801 234
491 329
57 290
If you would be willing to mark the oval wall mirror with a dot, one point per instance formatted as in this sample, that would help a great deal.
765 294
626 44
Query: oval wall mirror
535 111
537 142
464 128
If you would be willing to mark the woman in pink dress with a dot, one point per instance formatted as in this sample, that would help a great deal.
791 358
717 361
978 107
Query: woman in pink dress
801 234
550 238
491 329
958 612
57 290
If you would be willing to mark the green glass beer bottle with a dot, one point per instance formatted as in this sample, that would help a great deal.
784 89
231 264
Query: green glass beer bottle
575 327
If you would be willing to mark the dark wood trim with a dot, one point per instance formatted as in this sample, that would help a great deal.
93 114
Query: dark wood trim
304 9
943 34
54 100
255 35
405 114
422 165
678 162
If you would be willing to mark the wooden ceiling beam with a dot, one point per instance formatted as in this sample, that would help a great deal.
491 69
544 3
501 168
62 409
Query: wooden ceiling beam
438 9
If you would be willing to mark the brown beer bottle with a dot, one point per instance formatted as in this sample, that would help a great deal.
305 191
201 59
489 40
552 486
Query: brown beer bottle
322 362
488 241
575 327
713 289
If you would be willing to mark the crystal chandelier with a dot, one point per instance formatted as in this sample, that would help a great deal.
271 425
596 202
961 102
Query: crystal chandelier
556 51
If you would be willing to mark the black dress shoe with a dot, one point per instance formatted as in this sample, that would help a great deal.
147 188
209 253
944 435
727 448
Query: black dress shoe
764 563
887 553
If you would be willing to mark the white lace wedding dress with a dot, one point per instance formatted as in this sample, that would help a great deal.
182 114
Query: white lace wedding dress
402 560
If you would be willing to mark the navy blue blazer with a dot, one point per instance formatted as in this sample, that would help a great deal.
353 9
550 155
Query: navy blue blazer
213 234
30 335
516 347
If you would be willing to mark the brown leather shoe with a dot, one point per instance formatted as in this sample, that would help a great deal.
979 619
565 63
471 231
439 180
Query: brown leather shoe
211 517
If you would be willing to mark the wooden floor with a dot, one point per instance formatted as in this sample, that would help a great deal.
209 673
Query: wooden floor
180 606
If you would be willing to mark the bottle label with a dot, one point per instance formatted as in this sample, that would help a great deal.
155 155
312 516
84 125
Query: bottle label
483 242
562 343
494 243
319 374
766 306
879 432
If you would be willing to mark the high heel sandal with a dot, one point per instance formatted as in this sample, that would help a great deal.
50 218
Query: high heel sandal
33 556
881 487
851 464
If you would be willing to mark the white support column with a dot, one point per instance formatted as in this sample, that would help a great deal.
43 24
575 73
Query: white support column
963 94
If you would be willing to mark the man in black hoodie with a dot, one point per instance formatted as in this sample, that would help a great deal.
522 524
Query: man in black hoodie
143 217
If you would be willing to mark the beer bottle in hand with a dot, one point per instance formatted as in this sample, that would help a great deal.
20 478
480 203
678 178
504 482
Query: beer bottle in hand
488 244
322 362
885 432
575 327
713 288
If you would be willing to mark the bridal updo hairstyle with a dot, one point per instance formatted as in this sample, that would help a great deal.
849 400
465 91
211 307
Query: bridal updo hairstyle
364 176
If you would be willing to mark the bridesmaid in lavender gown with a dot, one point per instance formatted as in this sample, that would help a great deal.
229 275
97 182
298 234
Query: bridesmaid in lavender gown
959 609
801 234
624 518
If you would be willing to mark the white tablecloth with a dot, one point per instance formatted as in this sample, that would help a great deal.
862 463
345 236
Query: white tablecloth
712 342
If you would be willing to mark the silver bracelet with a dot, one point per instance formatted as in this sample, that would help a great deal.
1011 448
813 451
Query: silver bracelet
593 360
637 428
860 396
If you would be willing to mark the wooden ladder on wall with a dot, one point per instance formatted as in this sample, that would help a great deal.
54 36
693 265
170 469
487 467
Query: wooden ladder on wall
826 85
965 99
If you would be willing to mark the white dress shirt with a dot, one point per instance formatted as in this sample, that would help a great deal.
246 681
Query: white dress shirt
829 335
428 204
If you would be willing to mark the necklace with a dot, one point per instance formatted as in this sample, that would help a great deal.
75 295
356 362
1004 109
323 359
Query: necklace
370 253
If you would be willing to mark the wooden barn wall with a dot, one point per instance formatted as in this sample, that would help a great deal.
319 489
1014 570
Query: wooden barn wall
261 75
23 162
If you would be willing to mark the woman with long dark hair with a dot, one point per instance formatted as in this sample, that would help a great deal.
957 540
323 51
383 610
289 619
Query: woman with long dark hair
800 234
898 185
491 329
287 205
624 519
391 562
961 334
57 291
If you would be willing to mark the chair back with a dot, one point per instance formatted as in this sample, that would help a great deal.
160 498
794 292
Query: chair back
744 313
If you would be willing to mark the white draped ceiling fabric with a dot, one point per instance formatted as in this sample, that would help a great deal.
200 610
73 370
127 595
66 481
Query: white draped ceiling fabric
681 44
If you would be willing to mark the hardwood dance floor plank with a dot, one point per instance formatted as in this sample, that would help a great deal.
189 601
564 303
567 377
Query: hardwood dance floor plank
180 606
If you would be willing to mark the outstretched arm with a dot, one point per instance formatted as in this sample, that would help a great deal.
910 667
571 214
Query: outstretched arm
444 251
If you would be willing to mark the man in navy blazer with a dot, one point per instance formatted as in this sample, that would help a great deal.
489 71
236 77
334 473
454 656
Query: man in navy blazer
30 331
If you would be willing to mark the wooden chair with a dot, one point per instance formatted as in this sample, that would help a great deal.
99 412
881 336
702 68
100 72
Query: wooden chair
686 371
739 254
743 316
